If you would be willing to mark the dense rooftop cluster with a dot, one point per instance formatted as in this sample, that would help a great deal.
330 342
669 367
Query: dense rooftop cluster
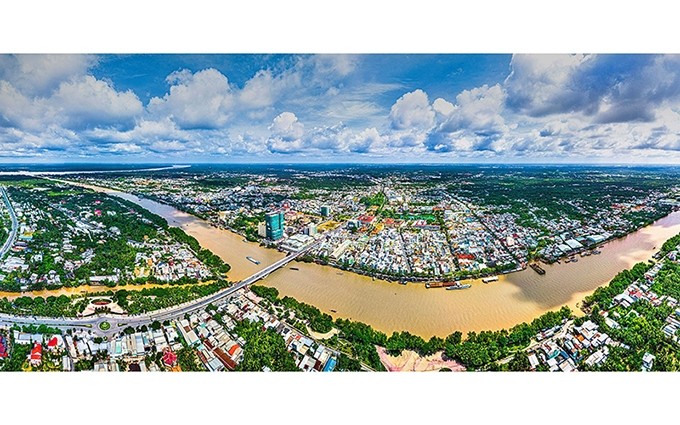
421 224
69 236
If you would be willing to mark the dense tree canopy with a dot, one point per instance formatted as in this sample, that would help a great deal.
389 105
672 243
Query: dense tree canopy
263 348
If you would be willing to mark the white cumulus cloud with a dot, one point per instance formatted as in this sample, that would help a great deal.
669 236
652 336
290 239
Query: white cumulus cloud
412 110
196 100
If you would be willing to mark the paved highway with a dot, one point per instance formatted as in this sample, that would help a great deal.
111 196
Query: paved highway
15 224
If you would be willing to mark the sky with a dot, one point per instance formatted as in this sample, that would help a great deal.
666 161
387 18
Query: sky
421 108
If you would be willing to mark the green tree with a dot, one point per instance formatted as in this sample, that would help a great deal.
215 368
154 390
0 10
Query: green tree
520 362
263 348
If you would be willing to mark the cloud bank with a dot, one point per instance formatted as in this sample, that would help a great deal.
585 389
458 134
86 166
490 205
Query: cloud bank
547 108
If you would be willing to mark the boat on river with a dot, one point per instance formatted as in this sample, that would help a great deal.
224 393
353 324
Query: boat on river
458 286
538 269
252 260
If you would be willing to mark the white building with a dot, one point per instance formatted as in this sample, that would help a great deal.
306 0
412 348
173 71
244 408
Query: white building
262 230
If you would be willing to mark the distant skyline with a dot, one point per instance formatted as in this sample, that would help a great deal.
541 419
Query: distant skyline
340 108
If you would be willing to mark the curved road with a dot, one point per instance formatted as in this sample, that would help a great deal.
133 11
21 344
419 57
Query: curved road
15 224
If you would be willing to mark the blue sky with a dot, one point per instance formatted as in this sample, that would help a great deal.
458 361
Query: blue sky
340 108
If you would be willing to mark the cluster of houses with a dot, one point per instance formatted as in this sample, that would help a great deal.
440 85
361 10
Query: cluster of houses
121 352
563 349
215 346
642 291
44 348
567 347
568 236
516 238
473 245
310 355
429 252
167 261
382 252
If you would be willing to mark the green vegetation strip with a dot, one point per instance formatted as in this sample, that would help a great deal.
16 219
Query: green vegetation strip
134 302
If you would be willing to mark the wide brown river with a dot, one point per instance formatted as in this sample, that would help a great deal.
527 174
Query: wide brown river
389 307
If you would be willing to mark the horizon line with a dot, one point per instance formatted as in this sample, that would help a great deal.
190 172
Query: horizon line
626 164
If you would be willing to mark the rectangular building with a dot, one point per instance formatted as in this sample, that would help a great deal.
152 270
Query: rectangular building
262 230
274 222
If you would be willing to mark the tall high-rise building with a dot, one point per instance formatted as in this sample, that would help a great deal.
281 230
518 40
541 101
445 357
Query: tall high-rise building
274 222
325 210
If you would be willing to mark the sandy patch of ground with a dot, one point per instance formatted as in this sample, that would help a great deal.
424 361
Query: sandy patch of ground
252 297
320 336
410 361
328 225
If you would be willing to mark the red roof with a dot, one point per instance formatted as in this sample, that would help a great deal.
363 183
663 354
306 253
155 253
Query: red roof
169 358
225 359
233 349
36 352
366 218
52 343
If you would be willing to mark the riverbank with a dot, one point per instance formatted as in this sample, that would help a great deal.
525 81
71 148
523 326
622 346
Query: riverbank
514 298
85 290
410 361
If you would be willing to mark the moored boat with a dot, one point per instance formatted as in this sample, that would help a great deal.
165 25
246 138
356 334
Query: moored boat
538 269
